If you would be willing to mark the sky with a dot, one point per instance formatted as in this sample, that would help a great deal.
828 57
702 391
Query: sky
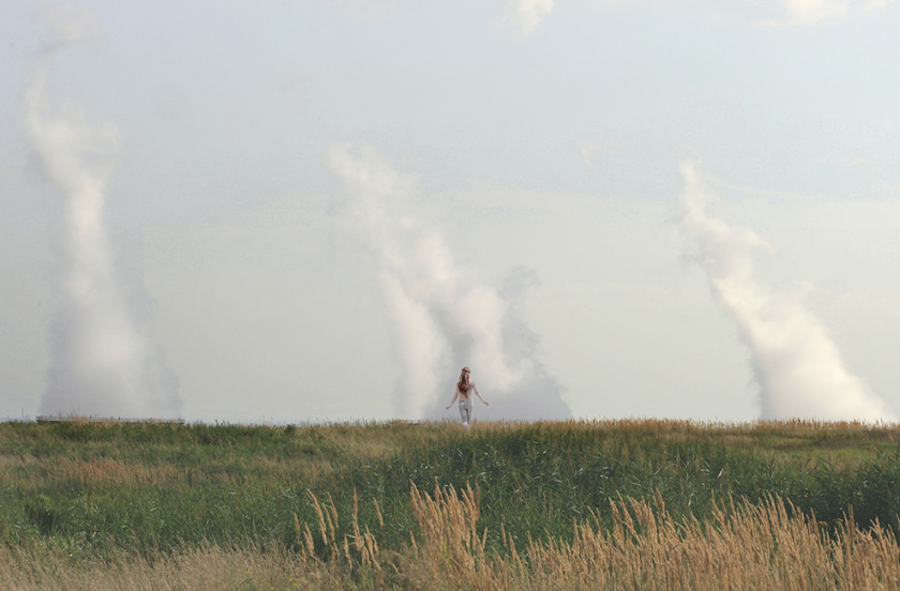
320 211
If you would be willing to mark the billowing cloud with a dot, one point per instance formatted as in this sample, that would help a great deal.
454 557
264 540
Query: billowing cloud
797 365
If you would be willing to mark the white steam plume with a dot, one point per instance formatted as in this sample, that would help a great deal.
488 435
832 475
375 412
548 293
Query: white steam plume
102 364
443 318
798 367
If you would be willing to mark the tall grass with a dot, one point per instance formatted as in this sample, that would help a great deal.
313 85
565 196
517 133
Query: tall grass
95 490
741 546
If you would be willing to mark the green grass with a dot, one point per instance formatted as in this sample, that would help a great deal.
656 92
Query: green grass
101 488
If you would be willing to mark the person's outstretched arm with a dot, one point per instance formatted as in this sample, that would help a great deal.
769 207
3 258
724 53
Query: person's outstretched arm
477 394
455 396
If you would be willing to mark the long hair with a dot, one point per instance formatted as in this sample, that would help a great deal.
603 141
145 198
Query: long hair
465 382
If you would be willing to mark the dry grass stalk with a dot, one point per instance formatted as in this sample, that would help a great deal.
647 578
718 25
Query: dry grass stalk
769 547
747 547
360 547
450 551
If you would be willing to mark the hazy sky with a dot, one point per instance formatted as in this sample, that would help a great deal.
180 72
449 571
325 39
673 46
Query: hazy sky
317 210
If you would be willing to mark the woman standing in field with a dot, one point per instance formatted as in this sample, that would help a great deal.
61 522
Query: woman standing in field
464 388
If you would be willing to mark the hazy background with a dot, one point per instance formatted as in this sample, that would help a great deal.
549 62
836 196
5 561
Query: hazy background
539 146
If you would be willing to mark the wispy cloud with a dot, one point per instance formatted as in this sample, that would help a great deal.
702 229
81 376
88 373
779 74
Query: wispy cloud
799 13
526 15
368 10
808 13
590 146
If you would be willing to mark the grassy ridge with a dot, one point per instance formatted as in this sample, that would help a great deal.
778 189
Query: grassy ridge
102 488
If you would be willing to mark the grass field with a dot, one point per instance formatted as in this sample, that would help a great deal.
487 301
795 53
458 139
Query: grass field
433 506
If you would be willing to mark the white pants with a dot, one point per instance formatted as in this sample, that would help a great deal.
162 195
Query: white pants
465 411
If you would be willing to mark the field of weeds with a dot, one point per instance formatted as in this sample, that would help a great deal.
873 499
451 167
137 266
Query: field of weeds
614 505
